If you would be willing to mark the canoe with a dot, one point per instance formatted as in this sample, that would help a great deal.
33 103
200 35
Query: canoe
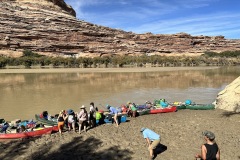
121 118
34 133
45 121
201 107
163 110
143 112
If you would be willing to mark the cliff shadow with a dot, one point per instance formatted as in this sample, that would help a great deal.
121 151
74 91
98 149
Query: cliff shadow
13 149
57 149
80 149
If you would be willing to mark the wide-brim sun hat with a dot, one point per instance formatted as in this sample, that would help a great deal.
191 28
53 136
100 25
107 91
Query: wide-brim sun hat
70 111
82 107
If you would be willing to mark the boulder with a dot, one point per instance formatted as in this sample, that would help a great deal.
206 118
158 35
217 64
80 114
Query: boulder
229 98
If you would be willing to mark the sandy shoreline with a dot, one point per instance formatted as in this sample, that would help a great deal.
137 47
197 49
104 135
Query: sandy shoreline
86 70
180 137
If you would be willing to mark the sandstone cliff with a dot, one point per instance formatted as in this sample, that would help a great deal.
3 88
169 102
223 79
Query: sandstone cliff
229 98
49 27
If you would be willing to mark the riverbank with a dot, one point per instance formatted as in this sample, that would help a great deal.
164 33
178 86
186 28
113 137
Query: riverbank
111 70
180 138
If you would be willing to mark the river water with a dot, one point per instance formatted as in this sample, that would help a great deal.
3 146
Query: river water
24 94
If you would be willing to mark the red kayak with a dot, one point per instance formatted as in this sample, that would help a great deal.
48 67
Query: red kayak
27 134
163 110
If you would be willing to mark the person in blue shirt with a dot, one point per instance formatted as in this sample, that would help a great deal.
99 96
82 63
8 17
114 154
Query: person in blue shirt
114 111
152 138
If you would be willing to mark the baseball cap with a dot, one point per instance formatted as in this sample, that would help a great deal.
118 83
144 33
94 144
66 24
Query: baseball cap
142 129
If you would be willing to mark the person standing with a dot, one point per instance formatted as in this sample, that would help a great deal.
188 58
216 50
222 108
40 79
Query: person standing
113 111
209 150
61 120
83 119
152 138
71 120
133 108
92 115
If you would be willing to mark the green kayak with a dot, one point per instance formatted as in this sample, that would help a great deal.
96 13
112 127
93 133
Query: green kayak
201 107
183 106
45 121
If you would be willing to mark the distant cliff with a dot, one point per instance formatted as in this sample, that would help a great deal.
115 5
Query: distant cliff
50 27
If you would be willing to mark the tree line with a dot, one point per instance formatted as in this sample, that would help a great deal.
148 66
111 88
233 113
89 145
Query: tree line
30 59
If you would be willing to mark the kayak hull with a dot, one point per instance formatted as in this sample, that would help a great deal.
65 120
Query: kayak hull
201 107
163 110
35 133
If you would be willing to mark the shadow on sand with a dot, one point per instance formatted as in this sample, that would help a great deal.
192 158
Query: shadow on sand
159 149
77 149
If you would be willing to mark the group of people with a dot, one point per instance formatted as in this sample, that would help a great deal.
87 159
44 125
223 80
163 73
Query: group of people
83 118
209 150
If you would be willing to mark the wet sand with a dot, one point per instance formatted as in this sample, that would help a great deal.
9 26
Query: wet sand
180 138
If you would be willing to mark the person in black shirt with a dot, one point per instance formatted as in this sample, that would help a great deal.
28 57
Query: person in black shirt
209 150
61 119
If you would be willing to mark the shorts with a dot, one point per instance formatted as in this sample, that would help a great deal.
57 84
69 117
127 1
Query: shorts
83 122
71 124
155 143
60 125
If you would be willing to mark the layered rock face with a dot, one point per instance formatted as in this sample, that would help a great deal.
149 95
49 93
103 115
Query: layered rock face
49 27
229 98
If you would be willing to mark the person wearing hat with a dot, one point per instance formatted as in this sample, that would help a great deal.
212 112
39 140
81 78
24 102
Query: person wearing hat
71 119
152 138
83 119
114 111
209 150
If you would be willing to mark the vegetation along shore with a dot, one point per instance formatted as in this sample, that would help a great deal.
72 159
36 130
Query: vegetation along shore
31 59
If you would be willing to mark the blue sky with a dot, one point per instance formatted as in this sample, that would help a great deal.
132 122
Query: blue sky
195 17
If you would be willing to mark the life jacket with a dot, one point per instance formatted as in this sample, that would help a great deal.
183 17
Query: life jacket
98 115
41 115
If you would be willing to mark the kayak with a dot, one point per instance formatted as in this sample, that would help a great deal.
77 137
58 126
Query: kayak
183 106
201 107
45 121
34 133
163 110
121 118
143 112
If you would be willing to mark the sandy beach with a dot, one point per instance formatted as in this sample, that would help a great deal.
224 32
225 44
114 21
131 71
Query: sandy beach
180 138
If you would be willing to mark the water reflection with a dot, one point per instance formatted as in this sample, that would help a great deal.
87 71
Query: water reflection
23 95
